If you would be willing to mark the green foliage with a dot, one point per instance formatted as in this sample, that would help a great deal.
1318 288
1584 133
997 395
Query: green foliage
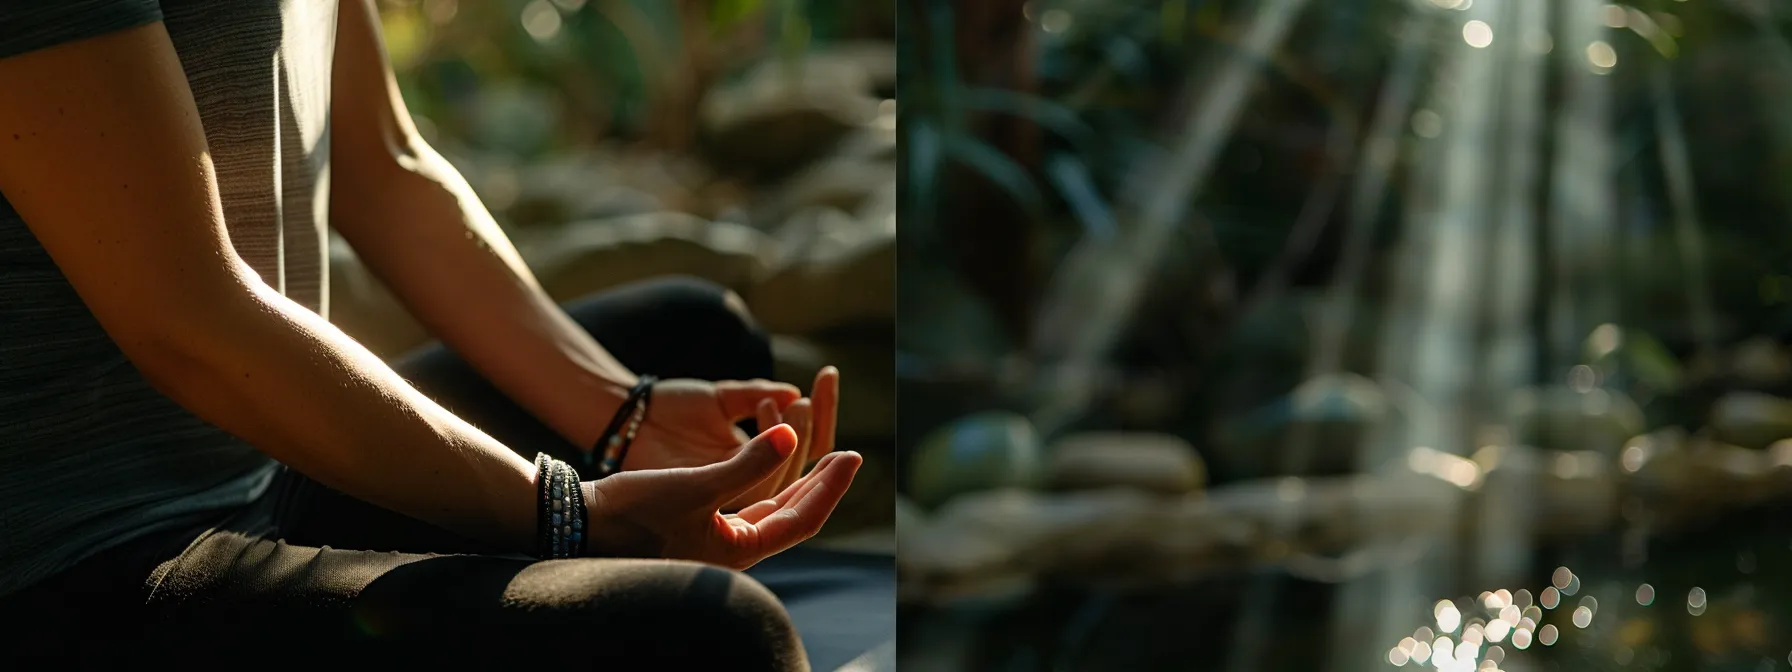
726 15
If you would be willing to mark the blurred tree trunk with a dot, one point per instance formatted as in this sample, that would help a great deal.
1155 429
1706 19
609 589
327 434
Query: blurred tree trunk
701 58
989 234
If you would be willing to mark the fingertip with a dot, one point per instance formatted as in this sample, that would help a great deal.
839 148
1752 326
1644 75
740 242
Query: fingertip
782 437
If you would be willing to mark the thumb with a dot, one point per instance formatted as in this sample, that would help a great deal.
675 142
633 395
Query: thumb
760 458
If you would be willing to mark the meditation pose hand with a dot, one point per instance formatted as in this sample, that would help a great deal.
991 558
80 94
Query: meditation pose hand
692 425
676 513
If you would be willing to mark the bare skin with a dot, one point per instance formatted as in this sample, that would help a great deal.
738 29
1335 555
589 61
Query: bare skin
107 164
419 227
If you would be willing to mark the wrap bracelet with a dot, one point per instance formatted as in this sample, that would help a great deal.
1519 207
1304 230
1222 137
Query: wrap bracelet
620 433
560 520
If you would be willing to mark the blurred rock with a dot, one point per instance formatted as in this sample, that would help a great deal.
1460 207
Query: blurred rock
1693 477
540 205
909 516
1578 491
872 142
1158 463
843 184
362 307
588 185
1755 363
880 207
1269 353
785 114
1761 361
1328 415
1569 419
833 272
1752 419
995 538
984 451
579 258
876 59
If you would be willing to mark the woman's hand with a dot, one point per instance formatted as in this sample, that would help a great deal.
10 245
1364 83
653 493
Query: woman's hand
676 513
691 423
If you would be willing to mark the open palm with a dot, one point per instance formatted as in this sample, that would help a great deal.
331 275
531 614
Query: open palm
676 513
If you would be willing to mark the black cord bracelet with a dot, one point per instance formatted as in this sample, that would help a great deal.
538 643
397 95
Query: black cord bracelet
620 434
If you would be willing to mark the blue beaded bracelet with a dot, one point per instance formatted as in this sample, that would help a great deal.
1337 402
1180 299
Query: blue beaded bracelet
560 522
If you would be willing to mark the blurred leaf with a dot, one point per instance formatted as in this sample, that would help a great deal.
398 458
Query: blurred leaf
1652 363
1071 177
405 33
923 161
1175 21
793 28
999 169
1058 118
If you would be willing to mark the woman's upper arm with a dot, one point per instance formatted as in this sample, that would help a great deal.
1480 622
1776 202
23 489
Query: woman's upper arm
372 139
103 156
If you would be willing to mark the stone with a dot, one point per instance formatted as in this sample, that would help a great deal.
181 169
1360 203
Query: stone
983 451
1752 419
875 142
832 272
1756 363
992 537
1158 463
1330 415
785 114
365 309
843 184
579 258
1570 419
877 59
910 518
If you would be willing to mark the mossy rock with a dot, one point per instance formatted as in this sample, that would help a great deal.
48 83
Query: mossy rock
983 451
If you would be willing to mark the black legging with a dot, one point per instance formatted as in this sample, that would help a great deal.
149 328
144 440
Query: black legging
275 582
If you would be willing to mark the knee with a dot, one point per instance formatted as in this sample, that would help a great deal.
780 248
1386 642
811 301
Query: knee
726 620
680 615
751 619
702 302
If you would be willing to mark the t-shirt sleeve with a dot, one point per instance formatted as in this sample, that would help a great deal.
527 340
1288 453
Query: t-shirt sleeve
30 26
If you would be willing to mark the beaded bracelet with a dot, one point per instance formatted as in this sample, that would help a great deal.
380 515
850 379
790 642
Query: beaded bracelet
560 522
623 426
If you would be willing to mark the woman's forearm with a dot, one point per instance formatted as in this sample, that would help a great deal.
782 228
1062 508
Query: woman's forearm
278 376
420 228
426 235
108 165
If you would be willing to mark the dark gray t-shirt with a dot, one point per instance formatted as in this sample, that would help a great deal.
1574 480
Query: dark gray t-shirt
90 454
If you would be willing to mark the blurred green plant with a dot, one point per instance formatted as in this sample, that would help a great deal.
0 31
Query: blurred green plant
531 77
